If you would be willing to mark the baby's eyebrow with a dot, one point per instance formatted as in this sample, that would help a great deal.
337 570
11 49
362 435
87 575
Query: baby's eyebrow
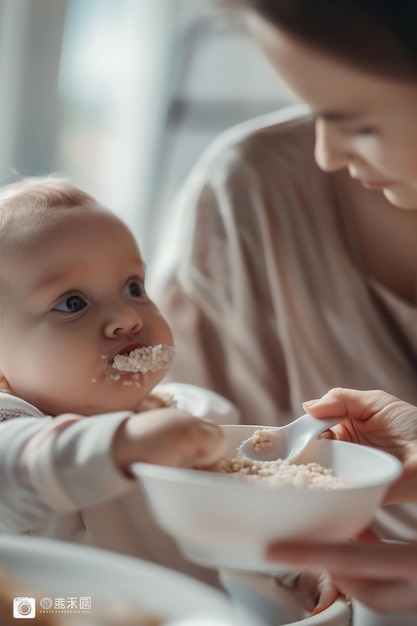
141 267
55 280
80 270
137 260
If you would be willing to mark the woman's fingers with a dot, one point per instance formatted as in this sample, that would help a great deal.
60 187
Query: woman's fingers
381 596
372 418
328 592
357 560
349 403
382 576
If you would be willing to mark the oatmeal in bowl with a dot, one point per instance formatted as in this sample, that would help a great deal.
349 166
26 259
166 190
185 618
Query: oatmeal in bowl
226 517
282 473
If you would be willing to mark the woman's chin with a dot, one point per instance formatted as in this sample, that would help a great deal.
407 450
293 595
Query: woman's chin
405 198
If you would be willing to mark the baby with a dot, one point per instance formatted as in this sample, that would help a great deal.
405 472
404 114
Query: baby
81 348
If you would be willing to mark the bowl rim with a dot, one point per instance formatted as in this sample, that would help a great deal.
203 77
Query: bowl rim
202 477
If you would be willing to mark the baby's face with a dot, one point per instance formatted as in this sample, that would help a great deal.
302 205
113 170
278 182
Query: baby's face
73 299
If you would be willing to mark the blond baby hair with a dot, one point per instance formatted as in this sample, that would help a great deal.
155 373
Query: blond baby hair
32 205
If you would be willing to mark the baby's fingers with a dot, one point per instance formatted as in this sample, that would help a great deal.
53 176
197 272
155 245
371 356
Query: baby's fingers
168 437
203 446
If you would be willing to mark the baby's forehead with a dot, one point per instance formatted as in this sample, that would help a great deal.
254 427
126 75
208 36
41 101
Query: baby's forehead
27 226
70 244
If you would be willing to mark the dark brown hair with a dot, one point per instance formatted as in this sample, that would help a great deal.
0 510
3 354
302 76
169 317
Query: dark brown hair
379 36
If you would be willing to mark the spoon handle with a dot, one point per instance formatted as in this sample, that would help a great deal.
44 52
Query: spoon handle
312 425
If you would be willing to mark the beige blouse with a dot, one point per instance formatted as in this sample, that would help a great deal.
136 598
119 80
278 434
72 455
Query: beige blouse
264 284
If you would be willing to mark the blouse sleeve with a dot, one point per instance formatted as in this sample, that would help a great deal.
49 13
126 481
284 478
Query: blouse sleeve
54 465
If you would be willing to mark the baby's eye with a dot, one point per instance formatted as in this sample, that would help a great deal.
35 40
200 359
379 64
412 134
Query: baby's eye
72 304
134 290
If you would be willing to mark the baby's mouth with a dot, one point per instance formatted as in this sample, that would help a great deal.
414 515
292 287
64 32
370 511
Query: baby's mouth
145 359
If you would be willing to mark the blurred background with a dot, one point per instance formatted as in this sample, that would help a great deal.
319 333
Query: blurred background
123 96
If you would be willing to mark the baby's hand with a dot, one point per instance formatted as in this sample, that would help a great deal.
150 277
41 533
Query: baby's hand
168 436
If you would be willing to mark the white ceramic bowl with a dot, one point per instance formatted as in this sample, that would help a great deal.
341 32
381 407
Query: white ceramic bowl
221 522
49 570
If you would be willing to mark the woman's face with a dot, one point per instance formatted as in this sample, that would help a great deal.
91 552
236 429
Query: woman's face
364 123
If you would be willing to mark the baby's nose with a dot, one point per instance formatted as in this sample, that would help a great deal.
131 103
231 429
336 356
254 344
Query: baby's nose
125 321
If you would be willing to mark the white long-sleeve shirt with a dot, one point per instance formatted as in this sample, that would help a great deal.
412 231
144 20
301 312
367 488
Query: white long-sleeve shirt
58 478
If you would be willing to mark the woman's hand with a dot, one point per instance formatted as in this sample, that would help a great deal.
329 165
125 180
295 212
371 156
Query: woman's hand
382 576
378 419
314 591
168 436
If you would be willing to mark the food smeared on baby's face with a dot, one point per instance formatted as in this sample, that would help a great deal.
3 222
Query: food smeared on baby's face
145 359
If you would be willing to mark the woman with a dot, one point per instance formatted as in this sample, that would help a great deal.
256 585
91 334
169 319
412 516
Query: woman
297 281
355 65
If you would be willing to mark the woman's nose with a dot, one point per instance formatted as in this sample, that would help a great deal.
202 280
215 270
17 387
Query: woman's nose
332 149
124 321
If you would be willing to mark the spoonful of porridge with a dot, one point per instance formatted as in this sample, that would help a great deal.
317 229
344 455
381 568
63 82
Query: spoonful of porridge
284 442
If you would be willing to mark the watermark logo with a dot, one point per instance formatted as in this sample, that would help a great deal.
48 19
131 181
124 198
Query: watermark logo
85 603
46 603
24 608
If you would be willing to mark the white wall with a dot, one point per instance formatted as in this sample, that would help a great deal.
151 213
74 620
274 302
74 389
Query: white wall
144 86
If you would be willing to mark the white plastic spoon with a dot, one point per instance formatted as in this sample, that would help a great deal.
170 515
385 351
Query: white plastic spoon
286 442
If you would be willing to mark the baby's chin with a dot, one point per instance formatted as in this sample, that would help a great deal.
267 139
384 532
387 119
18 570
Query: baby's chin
108 401
125 401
